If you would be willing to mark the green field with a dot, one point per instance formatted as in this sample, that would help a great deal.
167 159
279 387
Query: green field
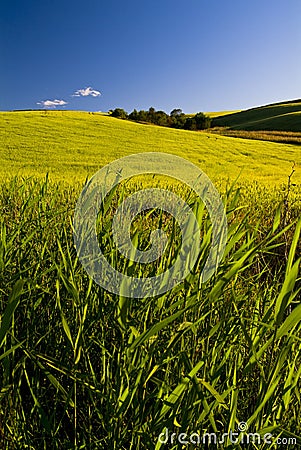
285 116
82 368
74 145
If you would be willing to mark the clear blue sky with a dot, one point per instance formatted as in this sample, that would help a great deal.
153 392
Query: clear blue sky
197 55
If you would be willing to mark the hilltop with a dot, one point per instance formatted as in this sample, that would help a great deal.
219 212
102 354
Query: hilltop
282 116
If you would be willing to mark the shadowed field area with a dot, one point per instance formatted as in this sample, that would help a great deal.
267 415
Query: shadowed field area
284 116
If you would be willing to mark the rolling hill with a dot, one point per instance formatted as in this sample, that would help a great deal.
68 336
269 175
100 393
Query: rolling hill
283 116
72 145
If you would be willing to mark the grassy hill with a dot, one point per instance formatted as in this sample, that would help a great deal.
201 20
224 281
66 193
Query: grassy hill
284 116
221 113
72 145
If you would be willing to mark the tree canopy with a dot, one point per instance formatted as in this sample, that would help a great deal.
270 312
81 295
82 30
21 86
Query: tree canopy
176 118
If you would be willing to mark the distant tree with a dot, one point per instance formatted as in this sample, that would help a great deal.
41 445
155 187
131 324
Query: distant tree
119 113
202 121
190 124
198 122
161 118
151 114
176 112
177 118
143 116
134 115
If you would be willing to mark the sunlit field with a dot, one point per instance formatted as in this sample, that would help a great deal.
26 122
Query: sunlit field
73 145
82 368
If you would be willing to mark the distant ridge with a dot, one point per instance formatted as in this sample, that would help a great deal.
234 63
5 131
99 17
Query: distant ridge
298 100
281 116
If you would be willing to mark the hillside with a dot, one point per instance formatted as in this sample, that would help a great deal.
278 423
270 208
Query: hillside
220 113
72 145
284 116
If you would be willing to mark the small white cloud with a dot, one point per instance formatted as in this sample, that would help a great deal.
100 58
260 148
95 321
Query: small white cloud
52 103
85 92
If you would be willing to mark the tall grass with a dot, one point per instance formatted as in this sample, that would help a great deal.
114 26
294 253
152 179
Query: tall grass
83 368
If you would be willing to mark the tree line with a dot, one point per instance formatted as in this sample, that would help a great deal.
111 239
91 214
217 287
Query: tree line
176 119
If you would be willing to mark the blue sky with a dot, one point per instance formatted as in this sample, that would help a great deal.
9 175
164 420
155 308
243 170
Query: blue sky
197 55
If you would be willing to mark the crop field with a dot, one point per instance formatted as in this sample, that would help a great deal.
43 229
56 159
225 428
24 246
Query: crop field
82 368
73 145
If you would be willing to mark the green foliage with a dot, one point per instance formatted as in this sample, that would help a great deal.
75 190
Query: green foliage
151 116
197 122
82 368
176 119
119 113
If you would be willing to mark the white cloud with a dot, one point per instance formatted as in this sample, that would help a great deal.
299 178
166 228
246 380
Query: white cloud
52 103
85 92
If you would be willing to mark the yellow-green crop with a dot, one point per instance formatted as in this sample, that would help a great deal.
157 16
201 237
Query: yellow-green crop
73 145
